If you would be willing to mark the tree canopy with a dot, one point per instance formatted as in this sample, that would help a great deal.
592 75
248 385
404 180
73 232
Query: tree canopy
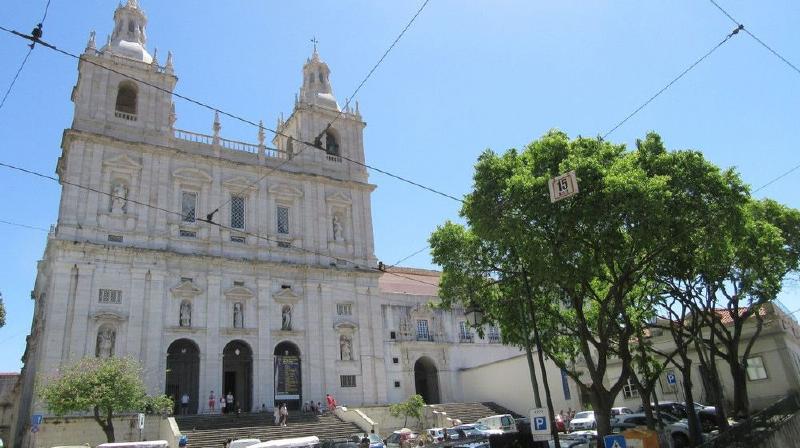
102 386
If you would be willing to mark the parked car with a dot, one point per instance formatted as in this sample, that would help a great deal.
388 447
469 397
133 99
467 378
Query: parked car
148 444
583 420
618 411
435 434
479 429
504 422
375 440
243 443
339 443
640 419
706 414
401 436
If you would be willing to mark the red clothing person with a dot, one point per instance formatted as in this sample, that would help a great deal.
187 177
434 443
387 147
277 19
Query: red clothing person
331 402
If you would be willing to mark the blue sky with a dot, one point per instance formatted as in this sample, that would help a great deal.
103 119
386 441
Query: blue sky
467 76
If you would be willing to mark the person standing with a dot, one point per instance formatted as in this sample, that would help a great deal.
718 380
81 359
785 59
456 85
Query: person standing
229 400
184 403
212 402
284 415
277 414
222 404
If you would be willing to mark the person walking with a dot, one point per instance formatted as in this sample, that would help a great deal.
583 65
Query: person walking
277 414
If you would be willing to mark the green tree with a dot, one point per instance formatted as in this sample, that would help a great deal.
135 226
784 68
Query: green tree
588 259
2 312
409 408
103 386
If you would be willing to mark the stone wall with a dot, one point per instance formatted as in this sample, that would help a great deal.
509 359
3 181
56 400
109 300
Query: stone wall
85 430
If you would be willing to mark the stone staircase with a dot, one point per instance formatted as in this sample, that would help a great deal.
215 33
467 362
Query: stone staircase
211 431
471 412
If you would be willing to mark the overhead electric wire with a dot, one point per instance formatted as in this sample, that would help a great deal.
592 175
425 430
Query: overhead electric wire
674 80
749 33
222 226
26 226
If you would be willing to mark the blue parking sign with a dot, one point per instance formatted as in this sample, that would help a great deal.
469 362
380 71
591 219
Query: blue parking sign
616 441
540 423
36 419
671 380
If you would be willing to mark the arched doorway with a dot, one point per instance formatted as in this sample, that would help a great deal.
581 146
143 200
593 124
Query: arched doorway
287 374
237 375
426 380
183 374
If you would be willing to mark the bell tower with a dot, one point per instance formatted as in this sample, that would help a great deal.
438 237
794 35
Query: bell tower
336 133
114 93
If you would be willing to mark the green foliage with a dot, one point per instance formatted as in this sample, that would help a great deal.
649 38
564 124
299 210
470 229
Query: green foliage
2 312
103 386
409 408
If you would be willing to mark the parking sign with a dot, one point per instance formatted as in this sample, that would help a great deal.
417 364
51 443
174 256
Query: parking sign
540 424
36 419
671 380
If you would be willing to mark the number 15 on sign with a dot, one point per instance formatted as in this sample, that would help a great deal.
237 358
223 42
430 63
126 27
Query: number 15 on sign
563 186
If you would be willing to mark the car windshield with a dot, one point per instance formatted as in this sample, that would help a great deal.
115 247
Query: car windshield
588 414
482 427
374 438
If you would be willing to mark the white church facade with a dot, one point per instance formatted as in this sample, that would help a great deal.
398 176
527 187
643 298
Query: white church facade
227 266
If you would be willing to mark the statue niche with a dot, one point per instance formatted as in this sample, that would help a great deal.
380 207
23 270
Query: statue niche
185 319
286 318
119 198
106 337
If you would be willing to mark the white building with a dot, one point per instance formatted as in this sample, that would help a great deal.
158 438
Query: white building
279 299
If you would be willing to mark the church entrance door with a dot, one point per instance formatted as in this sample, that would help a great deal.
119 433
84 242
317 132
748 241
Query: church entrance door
183 374
287 374
237 375
426 380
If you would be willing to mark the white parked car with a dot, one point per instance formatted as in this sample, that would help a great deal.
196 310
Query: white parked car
503 422
583 420
478 429
243 443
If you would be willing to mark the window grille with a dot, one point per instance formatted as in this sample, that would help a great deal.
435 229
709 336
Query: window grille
283 220
115 238
237 212
344 309
284 244
348 380
629 391
756 369
422 330
464 333
188 233
188 206
113 296
494 334
397 384
237 239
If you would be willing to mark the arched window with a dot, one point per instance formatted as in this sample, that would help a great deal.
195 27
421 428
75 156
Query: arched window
331 144
321 78
131 26
126 97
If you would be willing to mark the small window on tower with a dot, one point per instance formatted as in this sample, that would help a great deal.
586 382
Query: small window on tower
331 145
321 78
126 98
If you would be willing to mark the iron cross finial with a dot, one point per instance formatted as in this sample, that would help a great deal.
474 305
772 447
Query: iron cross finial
315 42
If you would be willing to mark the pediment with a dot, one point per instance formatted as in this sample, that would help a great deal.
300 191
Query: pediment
123 162
239 183
239 292
109 315
345 326
186 289
285 296
286 190
191 175
339 198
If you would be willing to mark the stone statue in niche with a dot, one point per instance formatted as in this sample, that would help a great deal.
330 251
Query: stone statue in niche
119 198
105 343
346 346
186 314
286 318
338 230
238 316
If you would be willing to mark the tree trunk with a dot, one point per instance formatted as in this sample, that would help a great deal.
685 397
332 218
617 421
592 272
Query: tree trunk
602 401
106 424
532 370
550 411
644 393
741 404
695 433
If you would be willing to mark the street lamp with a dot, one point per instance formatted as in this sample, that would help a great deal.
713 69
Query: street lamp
474 315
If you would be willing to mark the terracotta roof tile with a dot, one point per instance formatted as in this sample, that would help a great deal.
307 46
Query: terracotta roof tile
419 282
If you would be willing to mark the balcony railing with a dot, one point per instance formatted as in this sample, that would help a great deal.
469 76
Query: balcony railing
425 337
466 338
125 115
233 145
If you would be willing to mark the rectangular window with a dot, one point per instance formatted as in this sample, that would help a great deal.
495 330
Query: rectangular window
344 309
464 333
235 283
629 391
348 380
397 384
422 330
187 233
115 238
565 385
237 212
110 296
395 360
238 239
755 369
283 220
494 334
188 206
392 335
